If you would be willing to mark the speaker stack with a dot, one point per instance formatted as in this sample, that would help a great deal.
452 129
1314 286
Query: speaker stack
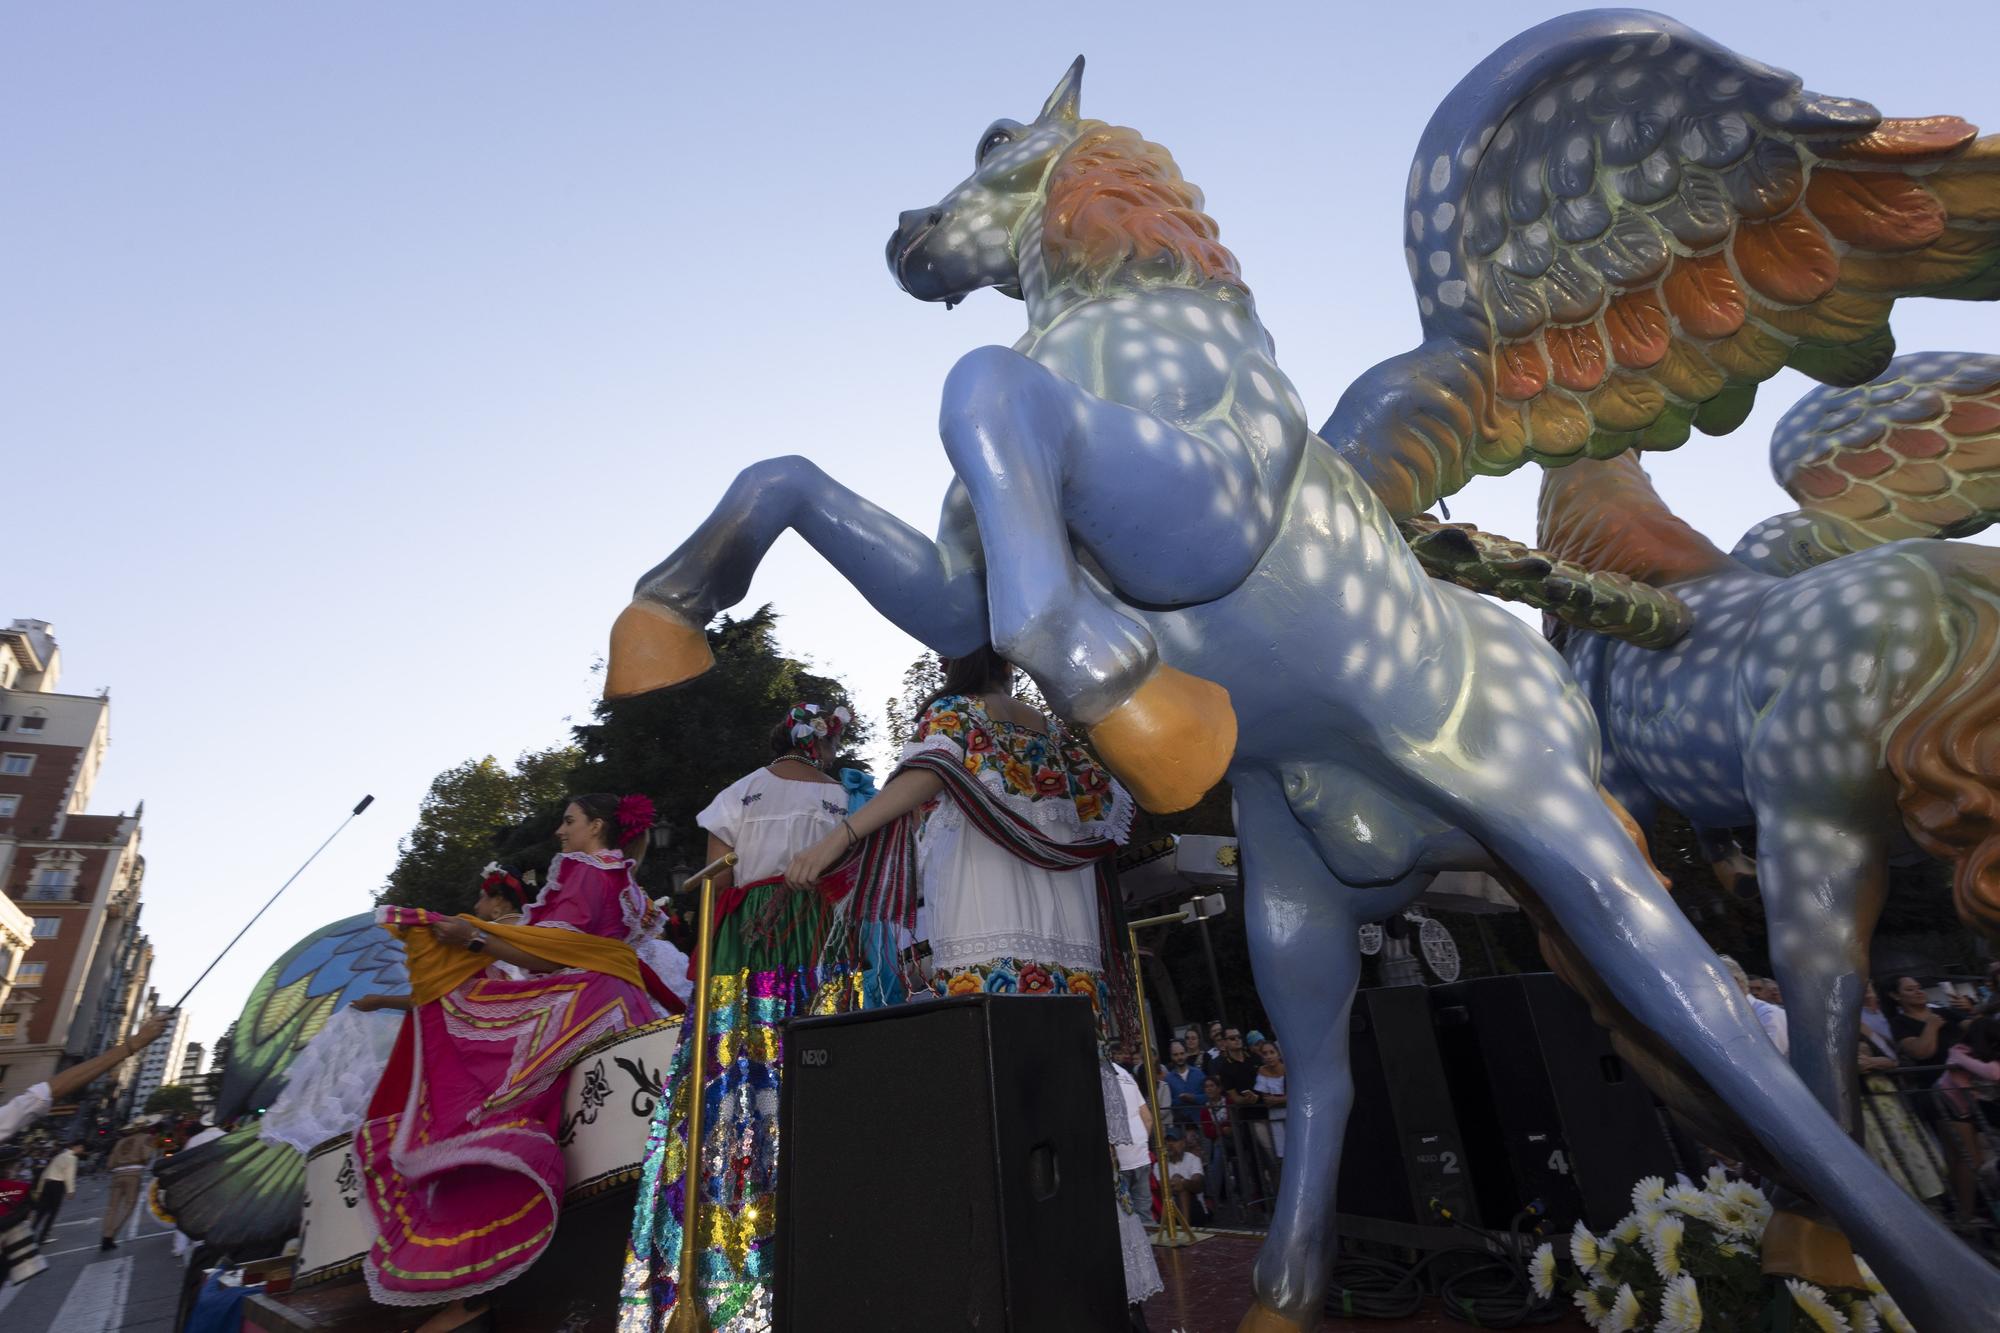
945 1166
1486 1095
1403 1147
1549 1111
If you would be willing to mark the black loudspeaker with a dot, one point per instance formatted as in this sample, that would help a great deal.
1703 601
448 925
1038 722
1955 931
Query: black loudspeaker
1403 1147
945 1166
1550 1111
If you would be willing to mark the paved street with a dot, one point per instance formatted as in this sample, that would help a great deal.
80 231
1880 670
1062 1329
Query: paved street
87 1290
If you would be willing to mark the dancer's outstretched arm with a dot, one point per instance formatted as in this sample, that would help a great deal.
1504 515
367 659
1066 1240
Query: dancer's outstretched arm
905 792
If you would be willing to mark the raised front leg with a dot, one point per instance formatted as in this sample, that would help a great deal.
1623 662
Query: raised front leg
931 590
1590 875
1047 465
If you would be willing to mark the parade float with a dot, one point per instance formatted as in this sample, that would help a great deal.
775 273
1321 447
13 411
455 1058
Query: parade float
1616 229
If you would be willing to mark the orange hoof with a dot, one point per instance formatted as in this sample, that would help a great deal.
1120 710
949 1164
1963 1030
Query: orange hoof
652 648
1799 1246
1170 741
1262 1319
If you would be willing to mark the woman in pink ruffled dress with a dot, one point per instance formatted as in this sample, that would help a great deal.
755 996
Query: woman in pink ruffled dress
459 1156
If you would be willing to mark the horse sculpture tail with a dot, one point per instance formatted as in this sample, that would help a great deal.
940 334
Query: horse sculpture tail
1945 750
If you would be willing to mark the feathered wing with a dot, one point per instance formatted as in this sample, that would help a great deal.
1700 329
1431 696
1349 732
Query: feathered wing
241 1191
293 999
1618 229
1915 452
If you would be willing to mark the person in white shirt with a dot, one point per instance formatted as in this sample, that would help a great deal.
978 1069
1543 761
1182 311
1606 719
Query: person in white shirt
1185 1173
1770 1015
1135 1158
18 1113
57 1183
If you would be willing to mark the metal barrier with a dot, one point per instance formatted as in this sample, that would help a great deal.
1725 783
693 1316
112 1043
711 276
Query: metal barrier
1940 1143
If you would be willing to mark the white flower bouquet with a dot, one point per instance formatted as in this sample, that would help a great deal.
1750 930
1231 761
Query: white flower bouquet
1687 1258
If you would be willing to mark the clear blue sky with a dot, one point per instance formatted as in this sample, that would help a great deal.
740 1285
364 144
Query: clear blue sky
359 356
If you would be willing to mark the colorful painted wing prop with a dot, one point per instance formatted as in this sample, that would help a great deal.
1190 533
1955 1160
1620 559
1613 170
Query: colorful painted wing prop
241 1190
1618 229
1913 453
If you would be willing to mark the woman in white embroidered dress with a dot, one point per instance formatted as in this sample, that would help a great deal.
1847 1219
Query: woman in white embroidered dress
996 922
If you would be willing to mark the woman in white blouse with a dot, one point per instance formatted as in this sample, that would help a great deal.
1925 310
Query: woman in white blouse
768 962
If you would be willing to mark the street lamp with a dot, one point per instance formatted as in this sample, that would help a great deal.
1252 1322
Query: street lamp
1174 1230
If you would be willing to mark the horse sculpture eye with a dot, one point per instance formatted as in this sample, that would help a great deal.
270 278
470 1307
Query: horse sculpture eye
991 142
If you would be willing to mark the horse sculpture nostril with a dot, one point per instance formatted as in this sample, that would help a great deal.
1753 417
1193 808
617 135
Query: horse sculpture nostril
936 216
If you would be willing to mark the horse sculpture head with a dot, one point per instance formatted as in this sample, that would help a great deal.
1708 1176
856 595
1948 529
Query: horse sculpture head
1085 205
968 239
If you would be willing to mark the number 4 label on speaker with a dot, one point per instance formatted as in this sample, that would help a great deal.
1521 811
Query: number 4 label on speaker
1559 1163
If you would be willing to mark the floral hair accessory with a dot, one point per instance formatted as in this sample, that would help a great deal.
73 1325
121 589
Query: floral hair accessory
635 816
810 725
501 882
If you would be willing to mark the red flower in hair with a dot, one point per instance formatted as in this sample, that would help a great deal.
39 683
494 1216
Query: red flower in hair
635 816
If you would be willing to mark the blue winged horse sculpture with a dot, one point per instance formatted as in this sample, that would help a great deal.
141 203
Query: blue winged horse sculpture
1617 228
1838 689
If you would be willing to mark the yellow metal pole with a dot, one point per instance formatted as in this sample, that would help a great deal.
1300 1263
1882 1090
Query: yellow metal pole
1174 1230
688 1315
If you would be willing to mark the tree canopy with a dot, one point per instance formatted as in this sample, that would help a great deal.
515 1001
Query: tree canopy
172 1098
682 746
679 747
467 810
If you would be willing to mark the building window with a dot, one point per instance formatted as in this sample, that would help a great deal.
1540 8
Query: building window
50 885
10 1026
8 805
33 723
17 765
47 927
31 974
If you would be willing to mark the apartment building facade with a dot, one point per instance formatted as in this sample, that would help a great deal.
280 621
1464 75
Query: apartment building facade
80 986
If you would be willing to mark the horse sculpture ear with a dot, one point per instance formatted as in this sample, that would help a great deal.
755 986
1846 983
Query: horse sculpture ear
1062 102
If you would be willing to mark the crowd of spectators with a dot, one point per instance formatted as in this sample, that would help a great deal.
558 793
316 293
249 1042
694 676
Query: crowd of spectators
1929 1068
1222 1107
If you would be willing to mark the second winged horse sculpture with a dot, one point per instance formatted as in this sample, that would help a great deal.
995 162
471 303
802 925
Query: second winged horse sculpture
1839 692
1617 229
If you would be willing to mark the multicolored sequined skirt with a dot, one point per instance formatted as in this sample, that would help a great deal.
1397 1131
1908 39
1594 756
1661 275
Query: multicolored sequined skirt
739 1150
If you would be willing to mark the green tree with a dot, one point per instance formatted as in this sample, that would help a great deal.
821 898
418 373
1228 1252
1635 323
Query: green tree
218 1065
466 817
682 746
173 1098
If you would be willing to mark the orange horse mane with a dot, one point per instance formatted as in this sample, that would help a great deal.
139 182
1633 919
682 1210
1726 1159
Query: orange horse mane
1118 210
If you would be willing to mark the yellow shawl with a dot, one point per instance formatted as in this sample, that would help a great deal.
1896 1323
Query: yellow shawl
438 969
